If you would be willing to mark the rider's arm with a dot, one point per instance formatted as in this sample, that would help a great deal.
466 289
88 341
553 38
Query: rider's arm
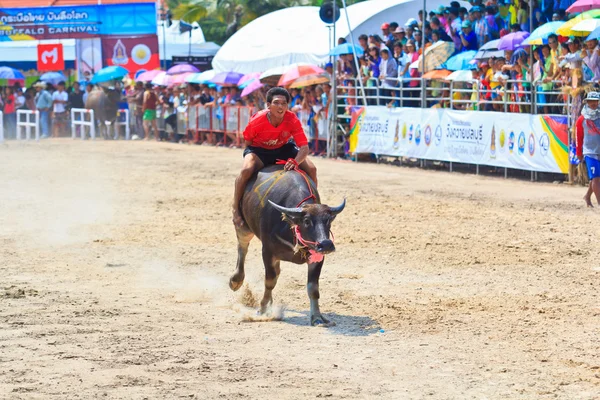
302 154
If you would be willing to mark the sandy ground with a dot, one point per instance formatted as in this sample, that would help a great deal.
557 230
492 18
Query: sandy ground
115 258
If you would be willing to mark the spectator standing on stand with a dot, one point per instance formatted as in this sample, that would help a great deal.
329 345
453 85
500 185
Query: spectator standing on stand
43 102
388 73
591 57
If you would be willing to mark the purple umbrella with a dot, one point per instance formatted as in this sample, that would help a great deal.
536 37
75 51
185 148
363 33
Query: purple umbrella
227 78
512 41
181 68
253 86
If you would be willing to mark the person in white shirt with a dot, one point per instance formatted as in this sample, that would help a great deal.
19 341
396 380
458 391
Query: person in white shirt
19 98
60 98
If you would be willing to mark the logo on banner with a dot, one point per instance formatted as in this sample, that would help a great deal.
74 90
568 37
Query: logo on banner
493 144
50 57
404 131
544 144
531 144
410 133
428 135
396 145
511 142
418 135
521 143
502 139
438 135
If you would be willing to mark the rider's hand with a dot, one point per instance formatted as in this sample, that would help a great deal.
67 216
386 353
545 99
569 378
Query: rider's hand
289 166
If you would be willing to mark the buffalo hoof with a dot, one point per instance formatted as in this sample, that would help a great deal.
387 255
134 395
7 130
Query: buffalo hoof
235 284
321 322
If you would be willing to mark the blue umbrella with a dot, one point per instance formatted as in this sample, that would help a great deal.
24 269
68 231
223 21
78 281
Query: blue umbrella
109 74
594 35
11 73
460 61
53 77
540 35
346 48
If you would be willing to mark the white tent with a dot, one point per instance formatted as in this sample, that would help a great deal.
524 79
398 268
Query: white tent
297 34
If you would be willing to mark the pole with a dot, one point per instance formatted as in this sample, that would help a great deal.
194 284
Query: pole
190 50
423 88
362 88
332 140
164 23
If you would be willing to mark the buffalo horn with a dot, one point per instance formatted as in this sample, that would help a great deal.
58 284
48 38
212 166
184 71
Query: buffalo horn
291 212
338 209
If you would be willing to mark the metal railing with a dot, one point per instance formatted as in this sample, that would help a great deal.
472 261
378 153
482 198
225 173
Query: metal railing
80 119
24 120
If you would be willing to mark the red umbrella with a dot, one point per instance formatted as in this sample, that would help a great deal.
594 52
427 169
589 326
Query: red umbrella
296 71
583 5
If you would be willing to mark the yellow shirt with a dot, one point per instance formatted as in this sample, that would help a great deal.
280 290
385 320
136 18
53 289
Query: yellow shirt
513 13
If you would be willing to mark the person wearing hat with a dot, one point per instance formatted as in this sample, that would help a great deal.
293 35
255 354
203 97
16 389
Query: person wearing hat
587 131
390 36
385 29
468 37
43 102
574 60
440 13
411 22
479 26
591 58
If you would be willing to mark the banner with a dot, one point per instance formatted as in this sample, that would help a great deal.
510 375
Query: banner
50 57
89 58
76 22
520 141
203 63
133 54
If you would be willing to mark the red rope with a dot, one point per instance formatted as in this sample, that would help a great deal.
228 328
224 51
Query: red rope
303 174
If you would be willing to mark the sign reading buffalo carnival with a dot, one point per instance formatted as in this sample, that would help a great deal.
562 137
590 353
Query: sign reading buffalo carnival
77 22
519 141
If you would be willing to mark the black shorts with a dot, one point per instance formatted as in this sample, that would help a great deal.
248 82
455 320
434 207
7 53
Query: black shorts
269 157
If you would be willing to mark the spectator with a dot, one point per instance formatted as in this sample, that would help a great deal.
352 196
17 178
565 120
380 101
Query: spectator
400 35
373 61
468 37
463 14
19 98
523 16
418 39
436 26
149 103
60 98
591 57
76 97
30 99
363 41
480 26
88 88
385 31
136 97
421 19
389 73
10 112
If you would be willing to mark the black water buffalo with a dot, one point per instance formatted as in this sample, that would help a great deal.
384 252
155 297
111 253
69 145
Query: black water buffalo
288 232
105 103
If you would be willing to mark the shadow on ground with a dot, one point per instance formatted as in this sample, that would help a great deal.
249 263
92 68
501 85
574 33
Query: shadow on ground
347 325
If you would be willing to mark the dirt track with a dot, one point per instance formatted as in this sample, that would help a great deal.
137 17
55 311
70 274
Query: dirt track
116 255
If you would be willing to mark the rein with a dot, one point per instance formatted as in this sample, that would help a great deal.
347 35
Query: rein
314 255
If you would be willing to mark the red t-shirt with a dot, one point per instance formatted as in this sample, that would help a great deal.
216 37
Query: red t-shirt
261 133
9 104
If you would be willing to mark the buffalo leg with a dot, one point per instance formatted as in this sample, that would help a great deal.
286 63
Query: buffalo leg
244 237
271 274
312 286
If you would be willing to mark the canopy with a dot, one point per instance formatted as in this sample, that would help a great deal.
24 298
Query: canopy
178 44
301 36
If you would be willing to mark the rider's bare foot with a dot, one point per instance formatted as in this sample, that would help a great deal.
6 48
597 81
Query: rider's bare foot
588 200
238 221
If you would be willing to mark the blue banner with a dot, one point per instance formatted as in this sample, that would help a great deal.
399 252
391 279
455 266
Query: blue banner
77 22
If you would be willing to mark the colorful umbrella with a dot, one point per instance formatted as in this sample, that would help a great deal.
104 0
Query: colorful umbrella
162 79
181 68
437 74
11 74
248 79
540 35
309 80
435 55
252 87
485 54
227 78
346 48
296 71
461 76
594 35
53 78
202 77
148 75
585 27
512 41
460 61
583 5
271 76
179 79
109 73
565 28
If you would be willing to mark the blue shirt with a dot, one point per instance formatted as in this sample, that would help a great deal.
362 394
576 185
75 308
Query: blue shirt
43 100
471 39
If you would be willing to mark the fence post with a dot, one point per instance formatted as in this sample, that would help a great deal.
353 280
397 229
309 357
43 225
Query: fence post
72 124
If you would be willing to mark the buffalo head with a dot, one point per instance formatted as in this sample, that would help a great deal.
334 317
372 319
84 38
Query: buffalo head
314 223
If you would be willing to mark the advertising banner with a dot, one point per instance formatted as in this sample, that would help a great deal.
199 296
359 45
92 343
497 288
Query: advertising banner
131 53
511 140
77 22
50 57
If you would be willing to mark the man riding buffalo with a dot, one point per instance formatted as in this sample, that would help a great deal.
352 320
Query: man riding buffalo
268 138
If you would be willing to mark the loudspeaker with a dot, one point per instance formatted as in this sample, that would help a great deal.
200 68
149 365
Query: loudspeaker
184 27
329 12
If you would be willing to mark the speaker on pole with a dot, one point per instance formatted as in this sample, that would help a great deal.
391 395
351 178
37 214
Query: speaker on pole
329 12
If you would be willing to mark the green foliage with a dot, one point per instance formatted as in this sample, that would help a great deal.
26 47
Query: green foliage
214 30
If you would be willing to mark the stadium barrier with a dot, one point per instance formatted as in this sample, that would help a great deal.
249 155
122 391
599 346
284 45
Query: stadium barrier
25 120
80 119
223 125
123 120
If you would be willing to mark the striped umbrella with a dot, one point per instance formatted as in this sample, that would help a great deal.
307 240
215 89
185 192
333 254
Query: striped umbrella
296 71
435 55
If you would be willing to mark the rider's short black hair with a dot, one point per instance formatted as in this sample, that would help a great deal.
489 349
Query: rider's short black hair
278 91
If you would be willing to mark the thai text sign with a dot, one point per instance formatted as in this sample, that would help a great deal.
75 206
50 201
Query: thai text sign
77 22
519 141
50 57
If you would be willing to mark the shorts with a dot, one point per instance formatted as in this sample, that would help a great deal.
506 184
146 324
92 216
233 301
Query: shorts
60 117
270 157
593 167
149 115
